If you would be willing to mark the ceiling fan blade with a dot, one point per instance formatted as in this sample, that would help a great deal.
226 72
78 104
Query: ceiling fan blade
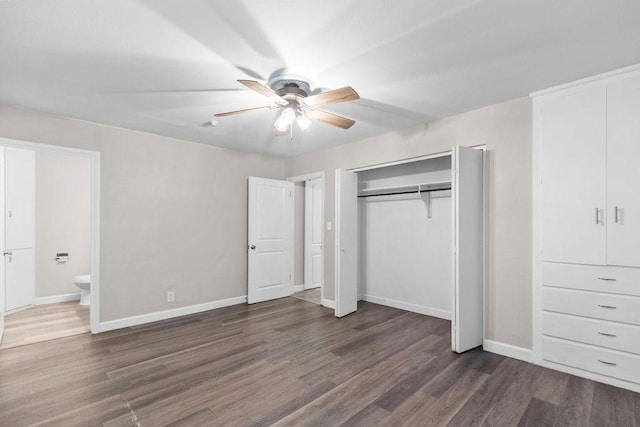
264 91
332 97
332 119
246 110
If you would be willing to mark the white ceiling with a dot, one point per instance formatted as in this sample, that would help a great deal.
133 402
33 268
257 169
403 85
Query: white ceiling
166 66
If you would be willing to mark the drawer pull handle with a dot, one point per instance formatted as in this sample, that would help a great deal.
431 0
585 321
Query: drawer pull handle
613 307
607 363
608 279
607 335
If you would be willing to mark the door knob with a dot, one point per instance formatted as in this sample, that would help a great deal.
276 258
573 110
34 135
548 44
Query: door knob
7 253
252 247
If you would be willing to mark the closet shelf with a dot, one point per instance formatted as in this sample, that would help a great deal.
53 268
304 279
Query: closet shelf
408 188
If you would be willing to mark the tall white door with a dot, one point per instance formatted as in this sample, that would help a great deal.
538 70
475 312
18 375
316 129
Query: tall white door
270 239
623 173
19 221
573 172
346 242
313 206
468 248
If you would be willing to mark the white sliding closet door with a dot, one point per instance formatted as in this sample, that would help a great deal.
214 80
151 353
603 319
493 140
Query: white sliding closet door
346 242
468 242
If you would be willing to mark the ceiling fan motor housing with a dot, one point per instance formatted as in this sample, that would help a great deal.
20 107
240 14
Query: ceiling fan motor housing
290 86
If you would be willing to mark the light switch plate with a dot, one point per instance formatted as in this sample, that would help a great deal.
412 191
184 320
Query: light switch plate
329 226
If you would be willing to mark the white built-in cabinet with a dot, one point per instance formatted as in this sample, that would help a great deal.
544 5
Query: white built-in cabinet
587 201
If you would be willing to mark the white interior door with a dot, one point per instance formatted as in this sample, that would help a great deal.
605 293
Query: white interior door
346 242
19 221
270 235
623 173
313 206
468 243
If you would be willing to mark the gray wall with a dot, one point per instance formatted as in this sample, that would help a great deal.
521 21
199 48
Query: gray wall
63 221
506 130
173 213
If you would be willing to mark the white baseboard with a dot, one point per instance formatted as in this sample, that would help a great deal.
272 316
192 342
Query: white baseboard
298 288
329 304
168 314
415 308
508 350
58 298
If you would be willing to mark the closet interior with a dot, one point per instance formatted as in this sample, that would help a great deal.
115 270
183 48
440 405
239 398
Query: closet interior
420 239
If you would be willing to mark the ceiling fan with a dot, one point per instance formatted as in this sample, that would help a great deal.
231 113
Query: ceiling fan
293 94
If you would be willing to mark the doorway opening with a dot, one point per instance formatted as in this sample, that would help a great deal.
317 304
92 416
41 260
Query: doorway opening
49 233
308 266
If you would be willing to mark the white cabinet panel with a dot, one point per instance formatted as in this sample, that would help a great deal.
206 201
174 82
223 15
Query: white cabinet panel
573 128
598 278
614 335
623 173
617 308
606 362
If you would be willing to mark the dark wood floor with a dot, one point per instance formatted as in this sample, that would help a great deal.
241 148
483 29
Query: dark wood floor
290 362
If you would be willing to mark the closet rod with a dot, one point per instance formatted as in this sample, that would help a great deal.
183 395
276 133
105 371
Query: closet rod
404 192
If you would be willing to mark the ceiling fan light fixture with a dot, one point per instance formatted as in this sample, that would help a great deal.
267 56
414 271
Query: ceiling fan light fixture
303 121
287 117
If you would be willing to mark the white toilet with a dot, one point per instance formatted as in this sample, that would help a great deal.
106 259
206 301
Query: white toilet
83 282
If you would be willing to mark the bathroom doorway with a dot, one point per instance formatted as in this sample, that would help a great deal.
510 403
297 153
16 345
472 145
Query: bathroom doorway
49 238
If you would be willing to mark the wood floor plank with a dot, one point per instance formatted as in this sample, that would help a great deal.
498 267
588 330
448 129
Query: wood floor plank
612 406
289 362
539 413
575 407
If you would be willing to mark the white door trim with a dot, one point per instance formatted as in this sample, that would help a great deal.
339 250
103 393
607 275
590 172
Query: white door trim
302 178
94 156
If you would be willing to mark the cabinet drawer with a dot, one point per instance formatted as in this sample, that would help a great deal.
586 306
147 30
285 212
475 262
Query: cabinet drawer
615 280
612 335
618 308
601 361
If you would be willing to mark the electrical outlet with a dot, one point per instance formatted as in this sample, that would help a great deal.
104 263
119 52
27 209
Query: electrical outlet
171 296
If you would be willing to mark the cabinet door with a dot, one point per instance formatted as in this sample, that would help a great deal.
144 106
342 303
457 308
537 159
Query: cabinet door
573 132
623 173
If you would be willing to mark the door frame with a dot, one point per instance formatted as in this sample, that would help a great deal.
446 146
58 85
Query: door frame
94 157
303 178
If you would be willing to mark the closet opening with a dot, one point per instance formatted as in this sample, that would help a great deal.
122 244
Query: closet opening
405 236
410 235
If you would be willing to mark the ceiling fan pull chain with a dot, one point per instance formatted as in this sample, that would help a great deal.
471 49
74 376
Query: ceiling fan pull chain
291 139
